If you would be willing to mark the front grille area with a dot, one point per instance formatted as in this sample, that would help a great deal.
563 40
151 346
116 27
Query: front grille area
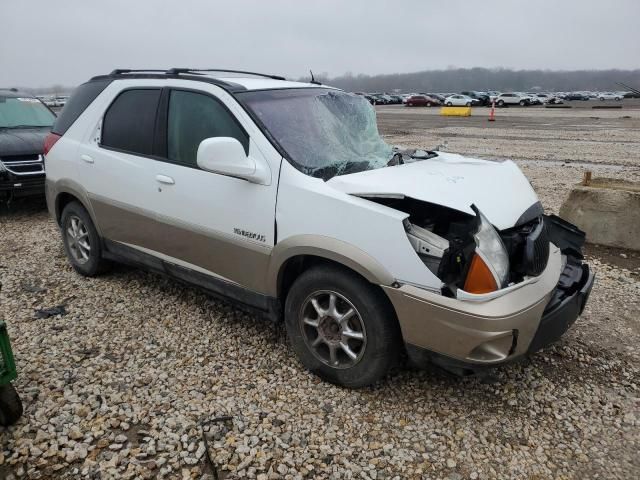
537 250
23 164
528 248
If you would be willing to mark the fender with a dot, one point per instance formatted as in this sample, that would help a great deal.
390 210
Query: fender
324 247
54 188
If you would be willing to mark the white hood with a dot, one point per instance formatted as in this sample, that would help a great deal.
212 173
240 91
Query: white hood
499 189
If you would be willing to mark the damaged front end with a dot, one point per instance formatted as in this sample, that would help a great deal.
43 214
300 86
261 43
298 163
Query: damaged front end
473 260
521 287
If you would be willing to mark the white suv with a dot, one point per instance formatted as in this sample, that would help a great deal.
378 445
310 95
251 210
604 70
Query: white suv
512 99
282 197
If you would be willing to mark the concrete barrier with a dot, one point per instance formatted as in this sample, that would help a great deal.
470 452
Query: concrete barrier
456 111
607 210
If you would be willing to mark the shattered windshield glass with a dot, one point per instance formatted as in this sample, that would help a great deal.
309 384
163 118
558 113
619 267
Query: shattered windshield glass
324 132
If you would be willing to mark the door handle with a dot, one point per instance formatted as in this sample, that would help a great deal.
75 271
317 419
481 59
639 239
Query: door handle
165 179
86 158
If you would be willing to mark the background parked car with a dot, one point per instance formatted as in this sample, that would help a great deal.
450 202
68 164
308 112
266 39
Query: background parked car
422 101
514 98
609 96
576 96
458 100
437 96
395 99
533 98
479 98
24 123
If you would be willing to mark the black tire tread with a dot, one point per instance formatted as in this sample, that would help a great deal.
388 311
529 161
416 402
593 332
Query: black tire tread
96 264
384 346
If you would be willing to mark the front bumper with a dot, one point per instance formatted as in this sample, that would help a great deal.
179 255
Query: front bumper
566 305
14 186
465 337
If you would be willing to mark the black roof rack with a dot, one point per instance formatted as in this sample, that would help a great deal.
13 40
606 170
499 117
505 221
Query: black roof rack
11 89
192 71
120 71
184 73
177 71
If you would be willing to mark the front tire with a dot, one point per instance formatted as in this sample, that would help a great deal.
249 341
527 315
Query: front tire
449 104
81 241
341 327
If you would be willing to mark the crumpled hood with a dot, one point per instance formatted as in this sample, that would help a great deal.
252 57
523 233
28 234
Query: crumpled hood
23 141
499 189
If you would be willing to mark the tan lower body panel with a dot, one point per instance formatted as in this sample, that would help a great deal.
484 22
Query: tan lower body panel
245 264
482 332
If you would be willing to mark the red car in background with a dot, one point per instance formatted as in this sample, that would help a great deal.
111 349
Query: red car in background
422 101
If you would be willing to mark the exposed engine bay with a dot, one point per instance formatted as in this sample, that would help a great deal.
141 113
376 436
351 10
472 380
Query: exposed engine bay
447 241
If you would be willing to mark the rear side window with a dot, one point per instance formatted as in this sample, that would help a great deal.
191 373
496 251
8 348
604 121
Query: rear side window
194 117
130 121
78 103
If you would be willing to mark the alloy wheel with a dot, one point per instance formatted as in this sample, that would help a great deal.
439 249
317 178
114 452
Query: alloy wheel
78 239
333 329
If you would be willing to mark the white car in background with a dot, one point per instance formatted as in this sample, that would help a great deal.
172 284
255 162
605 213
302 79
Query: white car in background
458 101
609 96
512 99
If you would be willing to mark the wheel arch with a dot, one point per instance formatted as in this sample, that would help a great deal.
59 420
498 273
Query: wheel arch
293 256
65 192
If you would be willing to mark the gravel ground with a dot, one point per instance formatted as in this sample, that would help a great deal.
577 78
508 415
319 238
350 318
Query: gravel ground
125 382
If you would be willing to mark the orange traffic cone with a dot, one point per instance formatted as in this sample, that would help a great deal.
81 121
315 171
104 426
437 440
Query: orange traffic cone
492 114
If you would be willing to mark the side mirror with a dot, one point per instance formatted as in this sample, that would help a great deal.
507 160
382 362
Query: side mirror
226 156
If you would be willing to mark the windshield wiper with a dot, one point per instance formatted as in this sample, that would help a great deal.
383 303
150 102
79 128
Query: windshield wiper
345 168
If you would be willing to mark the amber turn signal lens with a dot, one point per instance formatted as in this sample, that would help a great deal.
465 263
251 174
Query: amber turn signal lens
479 278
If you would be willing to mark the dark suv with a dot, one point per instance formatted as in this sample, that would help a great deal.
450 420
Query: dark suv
480 98
24 123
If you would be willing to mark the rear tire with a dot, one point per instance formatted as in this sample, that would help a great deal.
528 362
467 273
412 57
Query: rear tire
360 317
82 243
10 405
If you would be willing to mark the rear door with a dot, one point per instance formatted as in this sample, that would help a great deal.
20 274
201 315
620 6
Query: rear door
115 165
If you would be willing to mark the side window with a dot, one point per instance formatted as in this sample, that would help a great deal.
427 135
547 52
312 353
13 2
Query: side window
194 117
130 121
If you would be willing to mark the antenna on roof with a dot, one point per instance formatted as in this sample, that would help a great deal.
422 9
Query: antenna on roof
313 80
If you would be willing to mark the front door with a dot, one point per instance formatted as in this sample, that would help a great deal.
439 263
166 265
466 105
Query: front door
149 194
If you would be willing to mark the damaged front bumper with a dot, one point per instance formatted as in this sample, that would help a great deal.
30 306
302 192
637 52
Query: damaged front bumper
465 337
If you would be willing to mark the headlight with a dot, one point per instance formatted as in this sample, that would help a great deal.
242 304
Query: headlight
489 269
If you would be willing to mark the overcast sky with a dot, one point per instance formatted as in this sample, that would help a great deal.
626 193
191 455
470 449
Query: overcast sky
44 42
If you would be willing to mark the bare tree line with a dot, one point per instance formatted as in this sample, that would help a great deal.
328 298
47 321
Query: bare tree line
459 79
